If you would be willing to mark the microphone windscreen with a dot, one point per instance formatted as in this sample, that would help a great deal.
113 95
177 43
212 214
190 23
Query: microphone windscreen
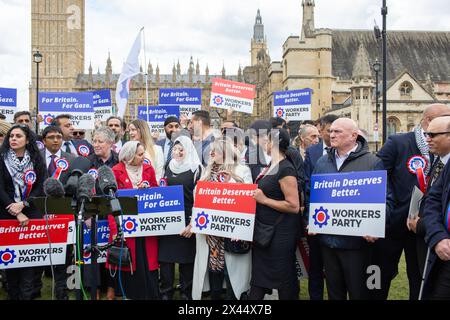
106 179
53 188
86 185
79 166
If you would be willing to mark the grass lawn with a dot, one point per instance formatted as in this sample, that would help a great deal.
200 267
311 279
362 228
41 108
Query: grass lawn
399 288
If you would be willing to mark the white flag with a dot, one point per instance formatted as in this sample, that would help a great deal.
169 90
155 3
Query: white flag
130 69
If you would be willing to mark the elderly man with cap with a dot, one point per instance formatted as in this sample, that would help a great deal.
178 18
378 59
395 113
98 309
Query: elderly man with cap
171 126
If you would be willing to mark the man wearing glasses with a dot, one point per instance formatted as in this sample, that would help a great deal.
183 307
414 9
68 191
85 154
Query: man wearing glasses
78 134
400 154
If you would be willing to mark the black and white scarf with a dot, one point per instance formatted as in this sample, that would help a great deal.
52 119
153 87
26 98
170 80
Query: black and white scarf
17 169
423 147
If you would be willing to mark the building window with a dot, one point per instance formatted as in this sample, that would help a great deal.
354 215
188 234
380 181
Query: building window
406 89
393 126
366 94
319 85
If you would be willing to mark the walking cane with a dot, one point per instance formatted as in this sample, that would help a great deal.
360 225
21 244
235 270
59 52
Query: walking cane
423 275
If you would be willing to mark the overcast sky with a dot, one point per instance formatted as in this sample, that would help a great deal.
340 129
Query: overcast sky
214 32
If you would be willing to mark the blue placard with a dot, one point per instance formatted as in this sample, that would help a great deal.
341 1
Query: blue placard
353 187
102 98
158 113
102 232
66 102
292 98
8 97
180 96
156 200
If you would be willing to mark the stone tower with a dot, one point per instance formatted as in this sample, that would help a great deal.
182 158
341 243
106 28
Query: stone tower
308 19
58 33
259 43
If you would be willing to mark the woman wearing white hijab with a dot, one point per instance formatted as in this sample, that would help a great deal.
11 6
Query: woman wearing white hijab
184 169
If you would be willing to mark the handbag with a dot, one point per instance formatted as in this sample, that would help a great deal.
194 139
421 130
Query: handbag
119 256
237 247
263 233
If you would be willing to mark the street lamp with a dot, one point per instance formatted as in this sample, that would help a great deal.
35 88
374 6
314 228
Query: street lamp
384 12
376 67
37 58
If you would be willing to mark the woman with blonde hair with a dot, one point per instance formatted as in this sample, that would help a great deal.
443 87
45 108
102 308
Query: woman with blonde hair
140 131
212 263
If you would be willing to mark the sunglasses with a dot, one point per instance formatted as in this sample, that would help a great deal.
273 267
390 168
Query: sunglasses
431 135
78 133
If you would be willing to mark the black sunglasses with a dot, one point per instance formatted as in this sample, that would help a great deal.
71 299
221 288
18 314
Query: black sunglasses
78 133
434 134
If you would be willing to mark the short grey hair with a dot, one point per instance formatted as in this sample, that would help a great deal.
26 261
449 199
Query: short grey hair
128 151
109 135
304 129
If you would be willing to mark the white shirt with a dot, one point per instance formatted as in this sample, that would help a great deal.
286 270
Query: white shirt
48 156
445 158
340 159
72 147
324 150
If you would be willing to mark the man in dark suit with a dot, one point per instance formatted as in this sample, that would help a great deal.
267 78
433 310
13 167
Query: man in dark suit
435 220
312 155
70 145
405 157
171 126
52 137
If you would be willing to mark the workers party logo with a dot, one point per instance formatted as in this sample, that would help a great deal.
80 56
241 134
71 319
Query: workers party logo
321 217
48 119
416 162
7 256
40 145
218 100
94 173
83 150
63 164
280 113
129 225
202 220
87 256
163 182
30 177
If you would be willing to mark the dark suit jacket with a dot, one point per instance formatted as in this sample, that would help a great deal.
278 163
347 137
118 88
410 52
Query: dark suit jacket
312 154
395 155
65 174
434 209
78 143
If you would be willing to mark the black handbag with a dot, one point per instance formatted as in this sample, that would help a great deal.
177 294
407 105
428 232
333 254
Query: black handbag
119 256
263 233
237 247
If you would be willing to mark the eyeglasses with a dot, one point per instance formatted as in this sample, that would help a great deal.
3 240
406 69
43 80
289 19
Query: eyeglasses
431 135
78 133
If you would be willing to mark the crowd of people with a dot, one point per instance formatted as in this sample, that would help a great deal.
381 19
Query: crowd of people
280 162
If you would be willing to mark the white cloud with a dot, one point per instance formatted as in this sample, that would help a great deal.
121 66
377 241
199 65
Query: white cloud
215 32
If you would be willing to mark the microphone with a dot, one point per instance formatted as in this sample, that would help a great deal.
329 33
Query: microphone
78 167
86 185
53 188
108 185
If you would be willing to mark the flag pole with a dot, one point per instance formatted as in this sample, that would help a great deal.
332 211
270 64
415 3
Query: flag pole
146 74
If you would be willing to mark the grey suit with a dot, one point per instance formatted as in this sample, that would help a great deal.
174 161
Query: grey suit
69 157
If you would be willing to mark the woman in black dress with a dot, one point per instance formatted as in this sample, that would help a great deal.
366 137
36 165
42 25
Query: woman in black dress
184 169
277 200
22 175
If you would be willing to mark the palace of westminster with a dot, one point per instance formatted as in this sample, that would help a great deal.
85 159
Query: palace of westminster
336 64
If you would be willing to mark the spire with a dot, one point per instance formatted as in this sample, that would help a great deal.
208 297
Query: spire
150 69
90 68
258 28
90 77
108 65
174 73
197 69
308 19
240 73
178 68
157 79
361 69
223 71
207 74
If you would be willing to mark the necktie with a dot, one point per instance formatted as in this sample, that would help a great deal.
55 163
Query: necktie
169 154
67 144
52 165
437 171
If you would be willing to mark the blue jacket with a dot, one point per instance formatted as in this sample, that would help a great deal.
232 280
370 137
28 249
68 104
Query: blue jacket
434 210
359 160
395 154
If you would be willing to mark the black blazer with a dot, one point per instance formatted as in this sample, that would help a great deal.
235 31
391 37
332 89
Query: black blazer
7 193
395 154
